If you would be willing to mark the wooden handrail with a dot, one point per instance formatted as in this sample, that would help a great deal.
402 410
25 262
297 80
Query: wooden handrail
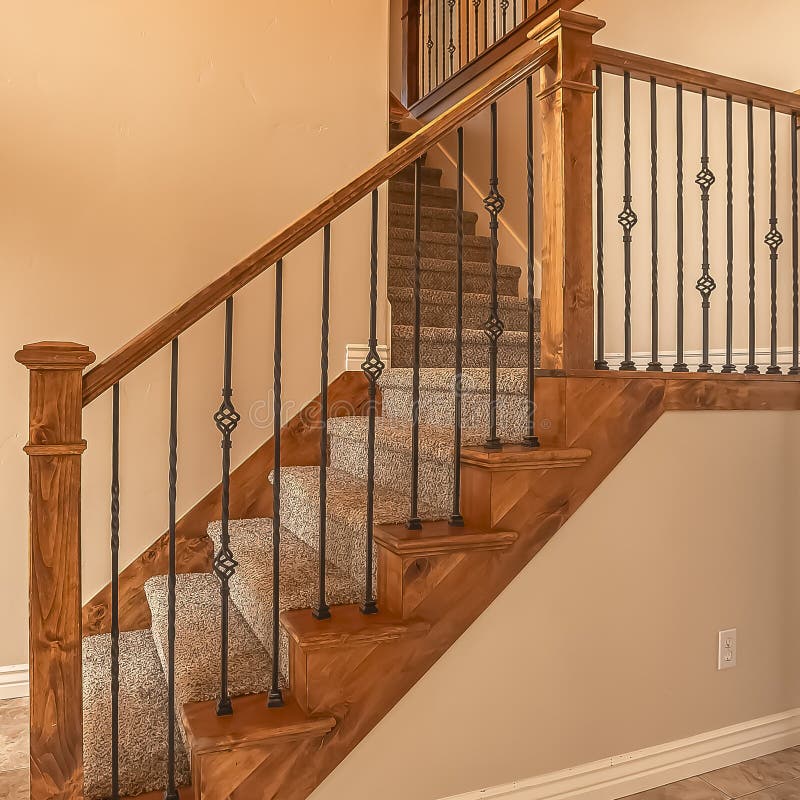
667 73
182 317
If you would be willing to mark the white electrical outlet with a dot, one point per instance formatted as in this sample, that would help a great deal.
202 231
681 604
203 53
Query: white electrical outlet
727 649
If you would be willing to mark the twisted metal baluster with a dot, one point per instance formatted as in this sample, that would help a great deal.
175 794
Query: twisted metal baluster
171 792
456 519
600 361
530 439
275 697
494 202
752 367
414 522
705 283
680 364
115 593
729 366
226 419
451 48
627 219
773 240
322 610
795 368
373 368
655 363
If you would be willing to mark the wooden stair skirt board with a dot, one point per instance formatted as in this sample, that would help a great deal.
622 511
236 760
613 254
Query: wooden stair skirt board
434 583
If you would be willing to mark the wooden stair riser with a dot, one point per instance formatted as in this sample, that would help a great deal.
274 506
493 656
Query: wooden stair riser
324 653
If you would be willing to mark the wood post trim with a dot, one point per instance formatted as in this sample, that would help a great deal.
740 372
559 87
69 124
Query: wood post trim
411 52
54 455
565 95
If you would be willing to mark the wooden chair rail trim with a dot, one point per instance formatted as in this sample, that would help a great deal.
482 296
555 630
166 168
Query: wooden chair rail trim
694 80
488 58
151 340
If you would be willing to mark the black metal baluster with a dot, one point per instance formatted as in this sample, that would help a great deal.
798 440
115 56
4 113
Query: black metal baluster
171 792
423 43
226 420
494 202
494 20
795 368
600 361
477 5
729 365
429 45
414 522
275 698
530 439
115 592
752 367
465 17
462 34
436 37
322 610
627 219
680 363
373 368
456 519
655 363
486 25
773 240
705 283
504 8
451 48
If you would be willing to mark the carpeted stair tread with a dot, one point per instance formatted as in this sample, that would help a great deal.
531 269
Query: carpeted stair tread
437 398
440 274
432 196
438 309
437 347
431 176
197 640
142 721
251 586
401 215
348 449
346 512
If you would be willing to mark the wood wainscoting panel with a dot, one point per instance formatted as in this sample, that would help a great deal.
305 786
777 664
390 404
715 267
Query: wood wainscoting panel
251 497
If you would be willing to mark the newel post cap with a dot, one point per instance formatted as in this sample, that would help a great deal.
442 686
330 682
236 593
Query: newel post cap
55 355
566 20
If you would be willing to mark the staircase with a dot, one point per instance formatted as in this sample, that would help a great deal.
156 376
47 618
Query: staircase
144 654
338 677
438 279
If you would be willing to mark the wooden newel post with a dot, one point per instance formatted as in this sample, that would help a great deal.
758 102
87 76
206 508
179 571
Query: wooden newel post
565 94
411 52
54 450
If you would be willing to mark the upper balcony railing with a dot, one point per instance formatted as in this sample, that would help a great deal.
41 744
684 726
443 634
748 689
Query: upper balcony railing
447 42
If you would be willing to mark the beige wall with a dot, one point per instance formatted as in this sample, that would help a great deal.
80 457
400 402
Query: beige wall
606 642
146 148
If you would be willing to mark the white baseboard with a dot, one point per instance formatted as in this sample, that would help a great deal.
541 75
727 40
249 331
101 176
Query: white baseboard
620 776
693 358
14 681
355 354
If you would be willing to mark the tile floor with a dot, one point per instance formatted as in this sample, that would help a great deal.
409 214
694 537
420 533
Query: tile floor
772 777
